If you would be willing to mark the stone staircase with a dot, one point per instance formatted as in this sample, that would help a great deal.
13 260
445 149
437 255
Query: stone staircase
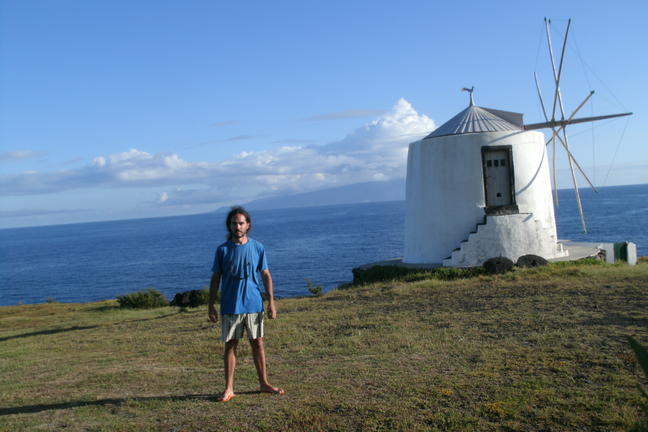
505 235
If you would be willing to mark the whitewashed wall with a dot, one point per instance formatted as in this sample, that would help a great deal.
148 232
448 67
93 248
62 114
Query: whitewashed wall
445 198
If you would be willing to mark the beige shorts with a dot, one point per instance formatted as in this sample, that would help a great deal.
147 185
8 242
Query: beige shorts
232 326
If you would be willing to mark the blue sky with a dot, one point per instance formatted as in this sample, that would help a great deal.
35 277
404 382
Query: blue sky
128 109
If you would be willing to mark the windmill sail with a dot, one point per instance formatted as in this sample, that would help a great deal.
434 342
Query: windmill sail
563 123
559 126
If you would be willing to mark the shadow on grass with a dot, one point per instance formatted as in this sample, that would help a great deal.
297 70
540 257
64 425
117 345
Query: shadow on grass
48 332
104 308
31 409
616 319
69 329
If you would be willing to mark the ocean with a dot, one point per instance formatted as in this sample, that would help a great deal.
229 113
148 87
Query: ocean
100 260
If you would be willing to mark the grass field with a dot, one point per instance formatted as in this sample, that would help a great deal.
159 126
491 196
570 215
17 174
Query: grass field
532 350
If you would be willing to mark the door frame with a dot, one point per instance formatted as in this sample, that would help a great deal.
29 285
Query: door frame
502 209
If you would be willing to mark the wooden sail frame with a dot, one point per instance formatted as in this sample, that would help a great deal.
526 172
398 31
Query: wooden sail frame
559 126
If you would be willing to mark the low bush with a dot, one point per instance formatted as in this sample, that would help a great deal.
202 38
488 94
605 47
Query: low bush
380 273
385 273
315 290
580 262
145 299
193 298
453 273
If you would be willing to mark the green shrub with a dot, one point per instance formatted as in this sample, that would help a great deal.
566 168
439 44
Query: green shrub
313 289
146 299
381 273
452 273
410 274
193 298
580 262
203 296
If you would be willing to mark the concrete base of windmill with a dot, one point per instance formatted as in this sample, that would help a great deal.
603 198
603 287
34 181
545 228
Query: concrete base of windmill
571 251
609 252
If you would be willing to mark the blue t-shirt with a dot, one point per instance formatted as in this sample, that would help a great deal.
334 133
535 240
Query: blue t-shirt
240 268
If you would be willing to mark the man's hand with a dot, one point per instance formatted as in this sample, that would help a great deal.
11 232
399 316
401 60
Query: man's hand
272 311
213 293
267 282
213 315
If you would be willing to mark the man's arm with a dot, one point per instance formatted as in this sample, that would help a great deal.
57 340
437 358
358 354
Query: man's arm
267 282
213 292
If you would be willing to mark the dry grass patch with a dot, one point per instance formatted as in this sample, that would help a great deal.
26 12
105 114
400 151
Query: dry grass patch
539 349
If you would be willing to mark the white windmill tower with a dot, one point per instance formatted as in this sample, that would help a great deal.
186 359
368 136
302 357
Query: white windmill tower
479 186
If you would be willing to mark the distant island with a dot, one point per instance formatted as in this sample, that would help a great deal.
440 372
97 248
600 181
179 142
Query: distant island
390 190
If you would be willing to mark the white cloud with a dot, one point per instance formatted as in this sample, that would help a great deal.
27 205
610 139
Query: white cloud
375 151
20 154
99 161
239 138
224 123
21 213
163 197
294 141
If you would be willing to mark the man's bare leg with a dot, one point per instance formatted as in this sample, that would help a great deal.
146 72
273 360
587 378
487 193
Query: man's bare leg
229 358
258 353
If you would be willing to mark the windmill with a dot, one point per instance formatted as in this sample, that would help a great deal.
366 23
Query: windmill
558 121
480 185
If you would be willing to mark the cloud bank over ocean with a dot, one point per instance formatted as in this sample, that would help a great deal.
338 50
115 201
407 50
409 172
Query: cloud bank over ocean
375 151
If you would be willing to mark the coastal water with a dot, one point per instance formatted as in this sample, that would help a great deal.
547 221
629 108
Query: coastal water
96 261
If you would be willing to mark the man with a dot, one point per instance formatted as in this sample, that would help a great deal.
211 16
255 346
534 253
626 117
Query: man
237 265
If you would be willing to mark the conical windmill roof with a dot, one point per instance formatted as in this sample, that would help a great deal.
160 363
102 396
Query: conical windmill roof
475 119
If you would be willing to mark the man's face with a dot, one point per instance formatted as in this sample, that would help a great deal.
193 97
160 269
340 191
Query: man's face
239 226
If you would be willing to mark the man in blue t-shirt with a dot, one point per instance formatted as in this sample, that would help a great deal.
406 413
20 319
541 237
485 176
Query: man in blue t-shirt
237 266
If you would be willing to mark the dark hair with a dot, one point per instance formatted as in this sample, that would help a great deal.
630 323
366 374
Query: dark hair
233 212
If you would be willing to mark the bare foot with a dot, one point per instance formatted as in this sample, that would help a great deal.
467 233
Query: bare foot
226 397
272 390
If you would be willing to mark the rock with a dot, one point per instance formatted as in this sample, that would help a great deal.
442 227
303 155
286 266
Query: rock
531 261
191 298
498 265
